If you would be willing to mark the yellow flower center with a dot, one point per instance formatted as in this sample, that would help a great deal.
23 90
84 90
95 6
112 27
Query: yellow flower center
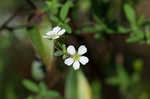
76 57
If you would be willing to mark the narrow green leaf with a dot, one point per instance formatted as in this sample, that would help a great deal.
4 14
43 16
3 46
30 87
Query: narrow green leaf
71 86
53 95
44 47
58 53
147 30
130 14
68 28
122 29
53 6
65 9
132 39
84 89
31 86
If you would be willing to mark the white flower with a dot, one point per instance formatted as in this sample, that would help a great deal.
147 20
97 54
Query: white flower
76 57
55 33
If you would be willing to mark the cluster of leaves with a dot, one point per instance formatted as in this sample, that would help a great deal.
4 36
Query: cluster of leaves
136 26
128 84
138 29
40 91
76 87
59 17
61 52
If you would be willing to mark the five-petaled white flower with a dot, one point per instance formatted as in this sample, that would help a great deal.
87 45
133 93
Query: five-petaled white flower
76 57
55 33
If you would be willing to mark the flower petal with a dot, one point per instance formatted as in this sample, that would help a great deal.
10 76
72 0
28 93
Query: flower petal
50 33
82 50
69 61
76 65
56 29
71 50
84 60
61 32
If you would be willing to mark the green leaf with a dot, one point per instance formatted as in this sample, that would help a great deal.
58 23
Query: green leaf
113 81
30 97
44 47
77 86
64 47
130 14
67 20
31 86
138 65
64 57
68 28
65 9
71 85
132 39
139 34
84 89
37 72
124 80
55 19
123 30
43 87
58 53
53 95
53 6
147 30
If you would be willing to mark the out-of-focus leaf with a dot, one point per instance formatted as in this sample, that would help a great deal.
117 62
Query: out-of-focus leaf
31 86
135 78
53 6
67 20
43 88
122 29
96 90
132 39
147 30
43 46
53 95
37 72
99 36
130 14
140 34
67 27
65 9
64 57
123 78
58 53
71 86
84 89
138 65
92 29
54 19
113 81
30 97
141 21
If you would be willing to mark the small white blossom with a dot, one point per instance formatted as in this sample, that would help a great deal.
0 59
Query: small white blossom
76 57
55 33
